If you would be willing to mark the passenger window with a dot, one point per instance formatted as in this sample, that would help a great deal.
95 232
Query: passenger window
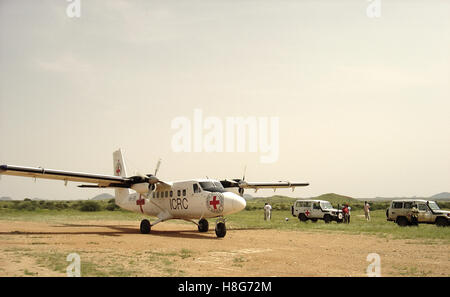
179 193
408 205
157 194
422 207
184 192
397 205
171 194
153 195
196 188
316 206
167 194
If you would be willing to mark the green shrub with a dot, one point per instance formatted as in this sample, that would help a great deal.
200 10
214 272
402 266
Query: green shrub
112 207
90 206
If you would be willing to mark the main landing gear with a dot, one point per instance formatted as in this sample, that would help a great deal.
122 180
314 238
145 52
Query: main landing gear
145 227
203 226
221 229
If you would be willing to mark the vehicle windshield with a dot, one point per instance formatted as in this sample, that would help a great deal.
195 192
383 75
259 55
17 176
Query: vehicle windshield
326 205
211 186
433 205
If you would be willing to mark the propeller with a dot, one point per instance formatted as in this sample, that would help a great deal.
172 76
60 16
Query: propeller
157 166
151 179
241 190
237 182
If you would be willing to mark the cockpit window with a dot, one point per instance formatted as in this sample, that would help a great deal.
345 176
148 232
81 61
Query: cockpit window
196 188
211 186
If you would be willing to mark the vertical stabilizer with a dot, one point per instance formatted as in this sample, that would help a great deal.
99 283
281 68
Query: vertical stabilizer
120 170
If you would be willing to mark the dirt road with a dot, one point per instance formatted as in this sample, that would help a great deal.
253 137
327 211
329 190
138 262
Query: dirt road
117 248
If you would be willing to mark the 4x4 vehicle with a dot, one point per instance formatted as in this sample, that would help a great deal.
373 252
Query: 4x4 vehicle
415 211
316 210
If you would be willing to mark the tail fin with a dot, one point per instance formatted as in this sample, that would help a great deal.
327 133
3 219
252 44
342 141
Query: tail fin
120 170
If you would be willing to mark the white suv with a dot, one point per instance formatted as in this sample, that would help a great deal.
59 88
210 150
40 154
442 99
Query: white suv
415 211
316 210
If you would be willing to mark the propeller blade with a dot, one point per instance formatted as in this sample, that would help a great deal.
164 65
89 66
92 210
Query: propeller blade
157 166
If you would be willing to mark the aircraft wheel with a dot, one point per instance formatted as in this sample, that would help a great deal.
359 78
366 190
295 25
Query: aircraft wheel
221 229
203 225
145 227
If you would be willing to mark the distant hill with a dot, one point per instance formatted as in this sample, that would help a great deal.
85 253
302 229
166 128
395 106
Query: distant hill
441 196
336 198
5 198
247 196
104 196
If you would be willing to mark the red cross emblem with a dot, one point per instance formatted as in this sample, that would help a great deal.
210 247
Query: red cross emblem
214 202
140 202
118 169
307 213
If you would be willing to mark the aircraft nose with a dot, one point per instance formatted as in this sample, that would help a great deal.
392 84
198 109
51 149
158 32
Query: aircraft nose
239 203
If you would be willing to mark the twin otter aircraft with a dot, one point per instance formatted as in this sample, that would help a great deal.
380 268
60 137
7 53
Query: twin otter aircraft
186 200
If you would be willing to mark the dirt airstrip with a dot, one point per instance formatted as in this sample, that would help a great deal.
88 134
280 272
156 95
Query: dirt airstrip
116 248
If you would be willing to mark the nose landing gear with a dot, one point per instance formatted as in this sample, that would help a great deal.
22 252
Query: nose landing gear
221 229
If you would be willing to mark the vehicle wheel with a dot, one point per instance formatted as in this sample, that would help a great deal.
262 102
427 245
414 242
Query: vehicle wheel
302 217
339 221
441 222
221 230
327 219
387 213
402 221
203 225
314 220
145 227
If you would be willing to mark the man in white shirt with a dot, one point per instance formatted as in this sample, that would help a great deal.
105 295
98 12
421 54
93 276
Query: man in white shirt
267 211
367 210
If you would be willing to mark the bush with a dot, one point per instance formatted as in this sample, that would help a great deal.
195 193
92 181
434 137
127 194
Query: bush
111 207
90 206
26 205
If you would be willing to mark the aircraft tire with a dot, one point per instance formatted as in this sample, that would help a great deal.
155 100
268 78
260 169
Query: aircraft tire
221 230
145 227
203 225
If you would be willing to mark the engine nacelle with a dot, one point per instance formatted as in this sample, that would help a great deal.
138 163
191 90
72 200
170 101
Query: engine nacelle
141 188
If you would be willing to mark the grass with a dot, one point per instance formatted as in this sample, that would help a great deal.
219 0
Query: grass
251 218
358 225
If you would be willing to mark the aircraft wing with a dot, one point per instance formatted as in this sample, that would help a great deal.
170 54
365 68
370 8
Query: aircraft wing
271 185
241 184
33 172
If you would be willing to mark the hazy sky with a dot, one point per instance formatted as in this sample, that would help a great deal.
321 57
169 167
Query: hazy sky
363 103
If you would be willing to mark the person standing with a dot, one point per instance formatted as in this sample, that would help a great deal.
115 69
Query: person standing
346 213
367 210
267 211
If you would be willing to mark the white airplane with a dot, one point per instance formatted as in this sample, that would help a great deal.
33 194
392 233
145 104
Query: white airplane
186 200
